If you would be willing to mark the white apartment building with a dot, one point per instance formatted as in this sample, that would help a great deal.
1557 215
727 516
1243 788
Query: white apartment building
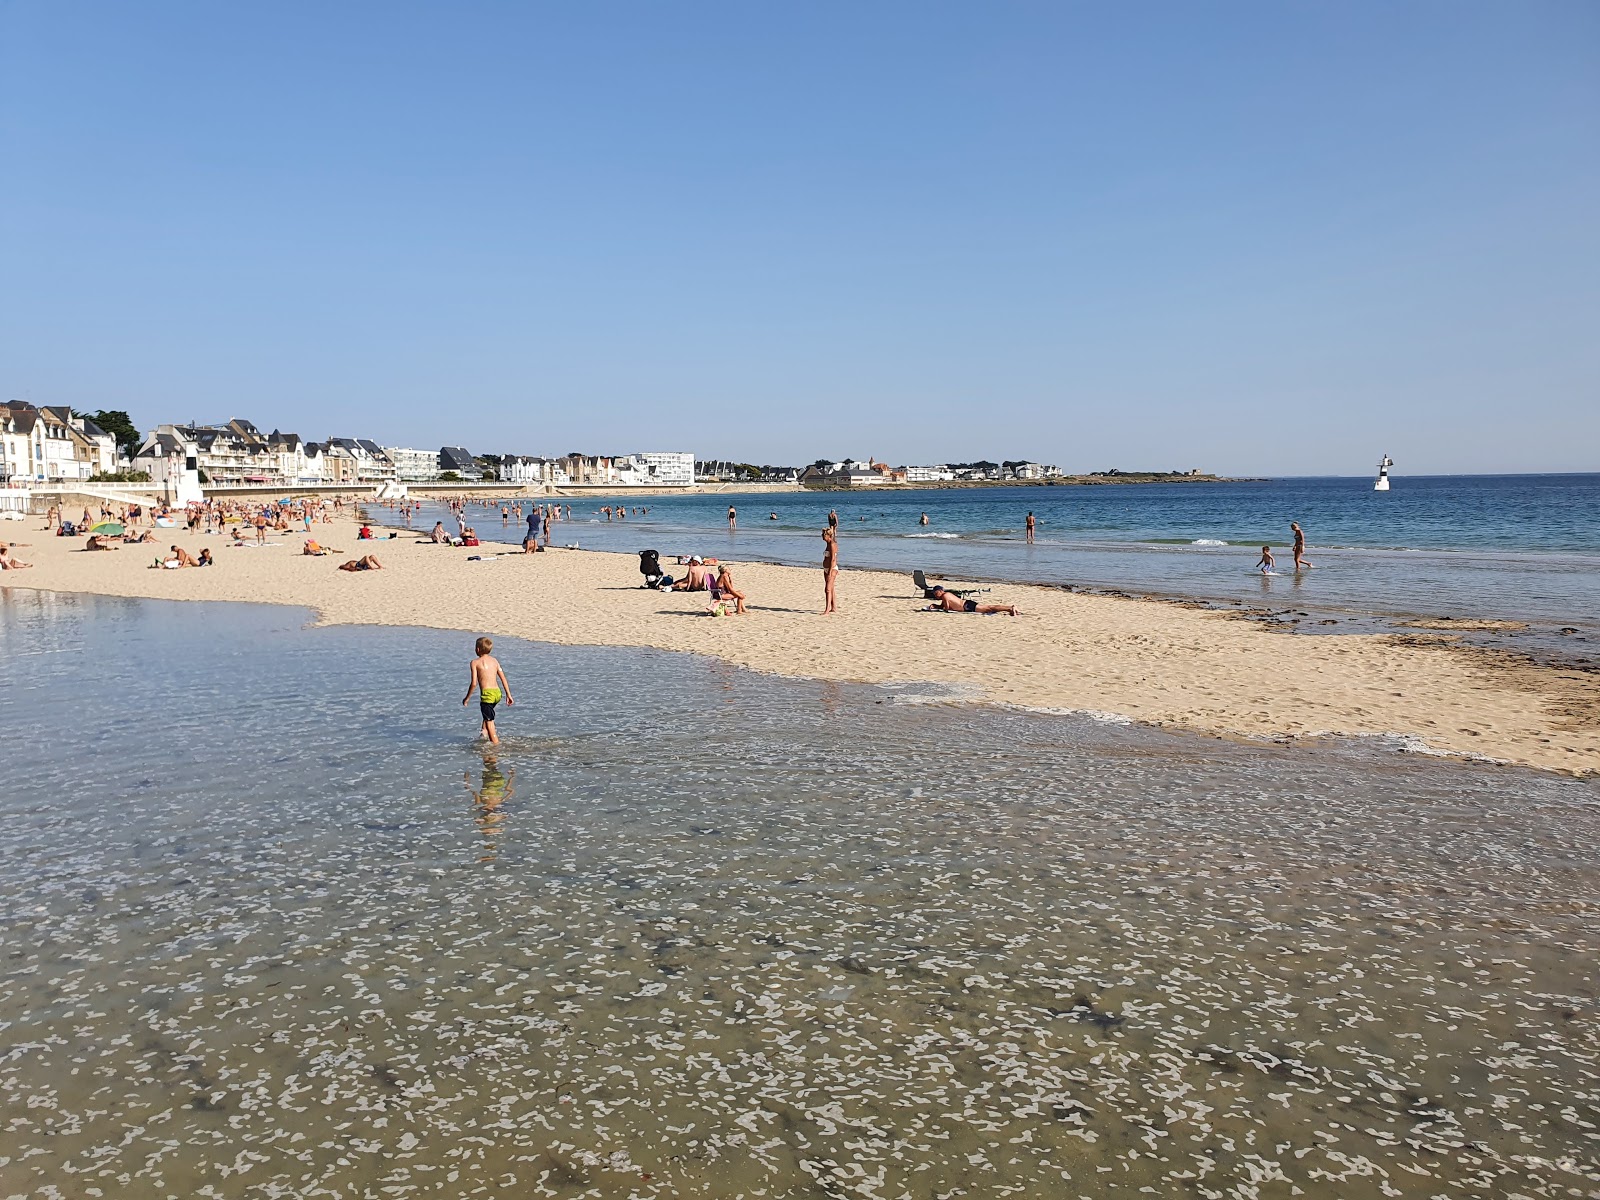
413 466
668 468
939 474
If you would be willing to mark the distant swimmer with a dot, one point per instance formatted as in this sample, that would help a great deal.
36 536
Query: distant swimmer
772 516
924 520
1266 564
1030 529
489 681
1300 562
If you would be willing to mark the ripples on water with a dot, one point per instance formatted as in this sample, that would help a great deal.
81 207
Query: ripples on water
275 927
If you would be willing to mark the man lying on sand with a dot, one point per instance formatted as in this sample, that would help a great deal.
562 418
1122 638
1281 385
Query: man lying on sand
366 562
949 602
180 558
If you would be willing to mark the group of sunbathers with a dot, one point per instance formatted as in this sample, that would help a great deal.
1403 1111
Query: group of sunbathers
701 578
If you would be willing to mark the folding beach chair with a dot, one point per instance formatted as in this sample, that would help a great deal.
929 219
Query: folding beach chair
715 604
921 580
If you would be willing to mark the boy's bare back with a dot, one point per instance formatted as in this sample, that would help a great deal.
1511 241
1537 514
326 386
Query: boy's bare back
486 671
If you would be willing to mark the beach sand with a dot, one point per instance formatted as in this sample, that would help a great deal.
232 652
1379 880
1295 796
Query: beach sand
1145 660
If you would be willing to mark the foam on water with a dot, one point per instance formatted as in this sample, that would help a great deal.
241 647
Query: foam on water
275 927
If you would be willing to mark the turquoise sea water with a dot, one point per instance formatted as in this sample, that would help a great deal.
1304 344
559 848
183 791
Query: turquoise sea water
1504 547
275 926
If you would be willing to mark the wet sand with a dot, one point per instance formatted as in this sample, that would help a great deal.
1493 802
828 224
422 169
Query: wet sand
1147 661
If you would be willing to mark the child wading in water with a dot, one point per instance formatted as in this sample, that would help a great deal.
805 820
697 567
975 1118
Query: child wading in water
489 681
1266 564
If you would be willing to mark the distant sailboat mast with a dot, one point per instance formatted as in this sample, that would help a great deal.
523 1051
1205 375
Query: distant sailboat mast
1384 464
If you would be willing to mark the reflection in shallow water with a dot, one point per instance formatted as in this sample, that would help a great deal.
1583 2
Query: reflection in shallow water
789 940
490 800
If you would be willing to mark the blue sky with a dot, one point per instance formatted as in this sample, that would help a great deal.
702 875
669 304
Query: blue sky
1272 238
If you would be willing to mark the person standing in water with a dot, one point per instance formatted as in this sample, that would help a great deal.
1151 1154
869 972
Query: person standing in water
1300 563
830 568
733 518
1030 528
489 681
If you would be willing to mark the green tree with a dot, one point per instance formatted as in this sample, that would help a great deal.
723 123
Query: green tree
449 477
120 426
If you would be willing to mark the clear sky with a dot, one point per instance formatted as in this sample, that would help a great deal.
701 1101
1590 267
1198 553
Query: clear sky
1265 238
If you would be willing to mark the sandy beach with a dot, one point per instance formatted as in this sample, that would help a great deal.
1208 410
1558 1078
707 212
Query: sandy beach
1143 660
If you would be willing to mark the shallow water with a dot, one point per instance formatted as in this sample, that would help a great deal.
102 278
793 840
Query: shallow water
274 926
1494 547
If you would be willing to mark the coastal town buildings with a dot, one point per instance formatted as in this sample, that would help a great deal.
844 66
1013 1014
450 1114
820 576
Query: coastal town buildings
526 469
361 460
413 466
455 459
50 444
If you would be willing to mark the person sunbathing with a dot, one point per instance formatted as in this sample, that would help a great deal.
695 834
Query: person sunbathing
8 563
366 562
950 602
439 537
134 539
725 586
314 548
695 580
180 557
205 558
99 542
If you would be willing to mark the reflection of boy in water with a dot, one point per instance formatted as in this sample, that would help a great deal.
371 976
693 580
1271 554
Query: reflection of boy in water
495 791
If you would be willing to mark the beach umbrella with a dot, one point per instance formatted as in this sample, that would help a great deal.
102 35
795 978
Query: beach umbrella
114 528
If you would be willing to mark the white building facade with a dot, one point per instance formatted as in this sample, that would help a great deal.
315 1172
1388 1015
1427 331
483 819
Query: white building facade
668 468
414 466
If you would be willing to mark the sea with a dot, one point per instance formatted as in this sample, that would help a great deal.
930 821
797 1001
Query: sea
1517 548
275 925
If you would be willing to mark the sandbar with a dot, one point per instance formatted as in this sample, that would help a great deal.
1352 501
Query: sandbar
1147 661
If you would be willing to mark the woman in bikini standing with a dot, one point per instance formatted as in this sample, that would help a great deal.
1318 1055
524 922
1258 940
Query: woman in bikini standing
830 568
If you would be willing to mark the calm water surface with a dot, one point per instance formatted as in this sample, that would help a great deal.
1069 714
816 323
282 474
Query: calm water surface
1523 547
274 926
